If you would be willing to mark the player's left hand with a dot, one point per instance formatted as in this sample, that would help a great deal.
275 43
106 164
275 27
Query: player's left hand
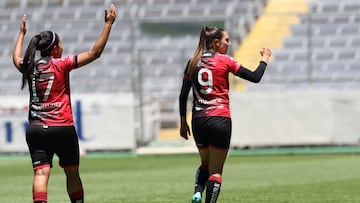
266 54
110 15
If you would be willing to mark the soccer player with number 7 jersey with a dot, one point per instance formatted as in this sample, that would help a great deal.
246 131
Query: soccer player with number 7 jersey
207 73
51 129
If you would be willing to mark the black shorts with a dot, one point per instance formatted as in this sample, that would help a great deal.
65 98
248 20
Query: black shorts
214 131
45 141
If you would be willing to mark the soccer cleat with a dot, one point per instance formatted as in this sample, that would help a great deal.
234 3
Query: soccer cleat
196 198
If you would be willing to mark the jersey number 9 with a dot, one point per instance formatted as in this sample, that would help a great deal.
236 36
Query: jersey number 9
205 79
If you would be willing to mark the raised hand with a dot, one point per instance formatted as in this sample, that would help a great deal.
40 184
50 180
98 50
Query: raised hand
110 15
265 53
23 24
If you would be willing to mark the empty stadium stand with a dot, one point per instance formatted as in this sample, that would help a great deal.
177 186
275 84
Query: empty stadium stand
318 44
325 42
134 60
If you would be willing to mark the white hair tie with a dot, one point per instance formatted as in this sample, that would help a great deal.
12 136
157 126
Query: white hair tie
52 42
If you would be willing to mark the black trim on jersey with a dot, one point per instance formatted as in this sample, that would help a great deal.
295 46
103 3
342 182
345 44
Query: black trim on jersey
208 54
252 76
76 62
43 60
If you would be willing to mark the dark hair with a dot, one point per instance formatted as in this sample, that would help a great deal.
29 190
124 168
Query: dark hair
206 41
44 42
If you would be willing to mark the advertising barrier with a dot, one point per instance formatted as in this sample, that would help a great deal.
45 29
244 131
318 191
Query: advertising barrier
295 118
103 122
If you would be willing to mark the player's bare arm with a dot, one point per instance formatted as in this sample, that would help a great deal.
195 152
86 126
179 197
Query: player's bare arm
97 49
17 53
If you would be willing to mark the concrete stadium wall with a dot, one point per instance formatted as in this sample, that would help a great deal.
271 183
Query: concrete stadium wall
291 118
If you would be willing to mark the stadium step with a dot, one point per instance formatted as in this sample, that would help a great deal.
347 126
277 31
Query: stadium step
173 133
180 146
268 31
169 134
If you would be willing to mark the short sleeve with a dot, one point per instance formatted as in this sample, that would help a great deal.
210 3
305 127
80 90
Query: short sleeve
68 62
234 65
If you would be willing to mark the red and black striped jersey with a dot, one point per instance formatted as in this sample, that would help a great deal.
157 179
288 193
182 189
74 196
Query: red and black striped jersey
210 84
49 89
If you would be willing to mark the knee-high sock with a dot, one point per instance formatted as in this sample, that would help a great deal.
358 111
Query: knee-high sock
201 176
213 189
40 197
77 197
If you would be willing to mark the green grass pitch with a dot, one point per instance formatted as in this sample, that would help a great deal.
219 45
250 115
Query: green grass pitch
169 178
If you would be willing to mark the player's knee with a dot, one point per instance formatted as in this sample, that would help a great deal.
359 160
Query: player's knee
72 172
42 171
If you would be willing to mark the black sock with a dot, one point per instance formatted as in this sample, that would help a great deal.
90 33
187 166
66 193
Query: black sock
202 175
213 189
77 197
77 201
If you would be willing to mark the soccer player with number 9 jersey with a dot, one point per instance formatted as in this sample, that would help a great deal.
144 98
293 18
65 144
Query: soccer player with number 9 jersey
207 73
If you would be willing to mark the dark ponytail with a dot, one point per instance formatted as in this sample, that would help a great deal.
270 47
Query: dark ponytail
48 40
45 41
206 41
29 59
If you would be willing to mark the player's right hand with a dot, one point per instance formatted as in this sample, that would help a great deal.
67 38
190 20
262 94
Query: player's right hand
184 130
23 24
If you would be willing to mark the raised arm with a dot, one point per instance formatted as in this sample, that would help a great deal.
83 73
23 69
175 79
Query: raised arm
97 49
17 53
255 76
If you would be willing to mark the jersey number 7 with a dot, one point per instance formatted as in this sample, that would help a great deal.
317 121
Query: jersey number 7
49 77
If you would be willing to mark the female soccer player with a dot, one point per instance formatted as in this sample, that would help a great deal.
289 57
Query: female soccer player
207 73
51 129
